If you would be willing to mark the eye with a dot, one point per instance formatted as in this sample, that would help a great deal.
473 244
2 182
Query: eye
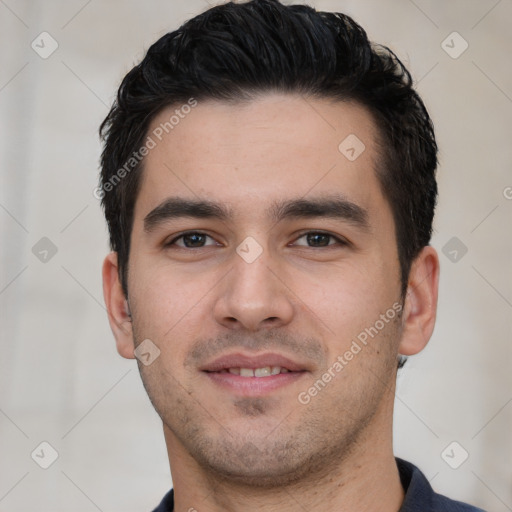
192 240
318 239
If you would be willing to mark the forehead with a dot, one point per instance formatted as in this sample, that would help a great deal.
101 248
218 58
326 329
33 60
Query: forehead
249 155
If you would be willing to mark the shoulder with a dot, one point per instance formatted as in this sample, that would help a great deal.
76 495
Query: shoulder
420 497
167 503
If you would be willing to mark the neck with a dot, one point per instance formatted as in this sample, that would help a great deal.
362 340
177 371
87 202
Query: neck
366 480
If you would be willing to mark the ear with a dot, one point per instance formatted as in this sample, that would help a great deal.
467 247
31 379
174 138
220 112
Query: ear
117 307
420 305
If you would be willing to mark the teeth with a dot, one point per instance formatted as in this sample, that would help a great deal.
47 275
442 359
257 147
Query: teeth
262 372
266 371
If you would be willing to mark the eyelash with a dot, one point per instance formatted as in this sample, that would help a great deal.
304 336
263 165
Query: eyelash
339 241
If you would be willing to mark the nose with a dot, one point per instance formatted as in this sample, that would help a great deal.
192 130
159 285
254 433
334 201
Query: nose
254 296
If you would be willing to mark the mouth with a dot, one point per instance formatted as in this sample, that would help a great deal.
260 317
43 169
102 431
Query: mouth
258 375
265 371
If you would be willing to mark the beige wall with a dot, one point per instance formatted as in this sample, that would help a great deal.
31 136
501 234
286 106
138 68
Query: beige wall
61 380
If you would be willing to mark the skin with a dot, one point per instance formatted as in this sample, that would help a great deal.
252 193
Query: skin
304 298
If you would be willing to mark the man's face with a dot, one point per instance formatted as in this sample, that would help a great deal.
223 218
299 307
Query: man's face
292 259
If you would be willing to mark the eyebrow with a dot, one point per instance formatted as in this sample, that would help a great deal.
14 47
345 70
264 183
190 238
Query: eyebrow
334 207
176 207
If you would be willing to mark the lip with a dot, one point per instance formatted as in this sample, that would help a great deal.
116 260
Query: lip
252 361
253 386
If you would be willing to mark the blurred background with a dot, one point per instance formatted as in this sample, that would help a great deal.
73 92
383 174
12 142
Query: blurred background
62 382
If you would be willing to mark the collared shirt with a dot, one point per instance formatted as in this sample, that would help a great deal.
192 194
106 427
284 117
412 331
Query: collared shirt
419 495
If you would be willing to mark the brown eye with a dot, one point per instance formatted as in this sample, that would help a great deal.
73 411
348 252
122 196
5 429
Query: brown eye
192 240
318 239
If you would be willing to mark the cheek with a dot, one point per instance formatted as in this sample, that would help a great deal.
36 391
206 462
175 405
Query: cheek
355 286
349 300
166 300
168 311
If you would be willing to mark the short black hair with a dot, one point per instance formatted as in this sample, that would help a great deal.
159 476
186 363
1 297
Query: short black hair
236 52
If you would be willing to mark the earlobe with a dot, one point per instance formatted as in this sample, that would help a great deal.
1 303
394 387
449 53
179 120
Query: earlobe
420 303
119 314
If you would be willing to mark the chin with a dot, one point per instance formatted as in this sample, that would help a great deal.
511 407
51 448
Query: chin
267 474
274 465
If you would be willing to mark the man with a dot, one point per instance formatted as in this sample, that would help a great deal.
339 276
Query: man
268 178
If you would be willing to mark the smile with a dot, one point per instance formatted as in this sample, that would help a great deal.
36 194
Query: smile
244 374
265 371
